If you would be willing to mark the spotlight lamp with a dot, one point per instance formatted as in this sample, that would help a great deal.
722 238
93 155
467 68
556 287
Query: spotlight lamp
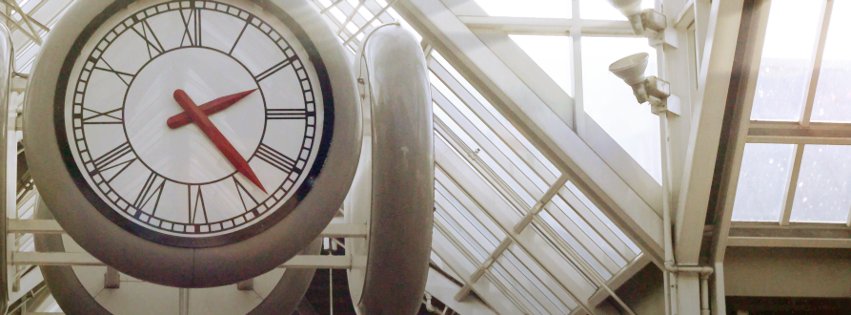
651 89
647 22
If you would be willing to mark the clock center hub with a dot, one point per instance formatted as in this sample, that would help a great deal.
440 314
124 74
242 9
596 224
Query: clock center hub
185 154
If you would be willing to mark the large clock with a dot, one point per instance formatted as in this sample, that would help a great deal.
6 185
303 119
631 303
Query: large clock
192 143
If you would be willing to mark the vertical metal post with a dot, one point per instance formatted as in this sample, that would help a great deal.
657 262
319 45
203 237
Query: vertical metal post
331 291
7 158
184 301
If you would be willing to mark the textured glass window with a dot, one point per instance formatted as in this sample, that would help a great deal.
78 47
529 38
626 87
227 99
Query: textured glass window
833 95
527 8
552 54
610 102
786 60
763 182
824 185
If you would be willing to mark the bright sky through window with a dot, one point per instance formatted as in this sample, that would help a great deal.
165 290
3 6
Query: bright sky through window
527 8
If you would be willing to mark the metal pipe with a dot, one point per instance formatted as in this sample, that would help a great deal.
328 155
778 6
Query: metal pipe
184 301
670 263
704 293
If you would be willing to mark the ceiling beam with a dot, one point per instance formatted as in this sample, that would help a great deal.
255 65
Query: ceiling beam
788 242
740 113
548 26
85 259
715 75
333 230
795 235
795 132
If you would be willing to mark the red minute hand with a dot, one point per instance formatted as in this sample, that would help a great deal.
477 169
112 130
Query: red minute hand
208 108
203 122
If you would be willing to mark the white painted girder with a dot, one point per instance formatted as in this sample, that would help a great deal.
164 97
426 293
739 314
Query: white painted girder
709 107
333 230
85 259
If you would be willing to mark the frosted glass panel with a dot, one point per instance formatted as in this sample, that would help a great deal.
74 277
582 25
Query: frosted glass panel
786 58
824 185
763 181
552 54
609 101
527 8
833 96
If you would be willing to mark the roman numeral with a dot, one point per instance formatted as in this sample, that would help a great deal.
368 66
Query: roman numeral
274 69
144 30
125 77
151 192
248 201
110 157
196 203
114 162
287 114
240 35
113 117
191 27
275 158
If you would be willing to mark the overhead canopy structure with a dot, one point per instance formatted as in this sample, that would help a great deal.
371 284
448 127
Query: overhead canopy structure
548 176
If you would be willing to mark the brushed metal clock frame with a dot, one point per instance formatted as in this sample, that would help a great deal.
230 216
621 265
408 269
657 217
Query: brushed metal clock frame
184 266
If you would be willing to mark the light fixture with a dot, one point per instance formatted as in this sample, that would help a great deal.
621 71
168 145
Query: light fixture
646 89
647 22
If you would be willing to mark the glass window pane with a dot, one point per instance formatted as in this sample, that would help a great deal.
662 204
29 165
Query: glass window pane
571 241
786 58
602 217
594 238
833 95
824 190
527 8
763 181
500 126
610 102
603 10
552 54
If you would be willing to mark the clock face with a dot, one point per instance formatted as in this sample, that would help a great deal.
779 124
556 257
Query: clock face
195 123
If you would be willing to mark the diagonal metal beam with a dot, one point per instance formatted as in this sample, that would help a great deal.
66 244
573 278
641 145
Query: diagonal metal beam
716 72
26 23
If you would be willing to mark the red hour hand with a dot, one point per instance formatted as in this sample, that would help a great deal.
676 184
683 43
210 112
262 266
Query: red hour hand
208 108
203 122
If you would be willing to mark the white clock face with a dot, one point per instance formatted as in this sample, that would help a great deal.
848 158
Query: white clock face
195 123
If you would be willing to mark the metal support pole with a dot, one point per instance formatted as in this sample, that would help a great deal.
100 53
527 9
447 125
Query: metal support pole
184 301
7 159
704 294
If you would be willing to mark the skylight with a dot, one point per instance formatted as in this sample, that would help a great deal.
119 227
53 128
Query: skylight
833 95
800 172
527 8
786 64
